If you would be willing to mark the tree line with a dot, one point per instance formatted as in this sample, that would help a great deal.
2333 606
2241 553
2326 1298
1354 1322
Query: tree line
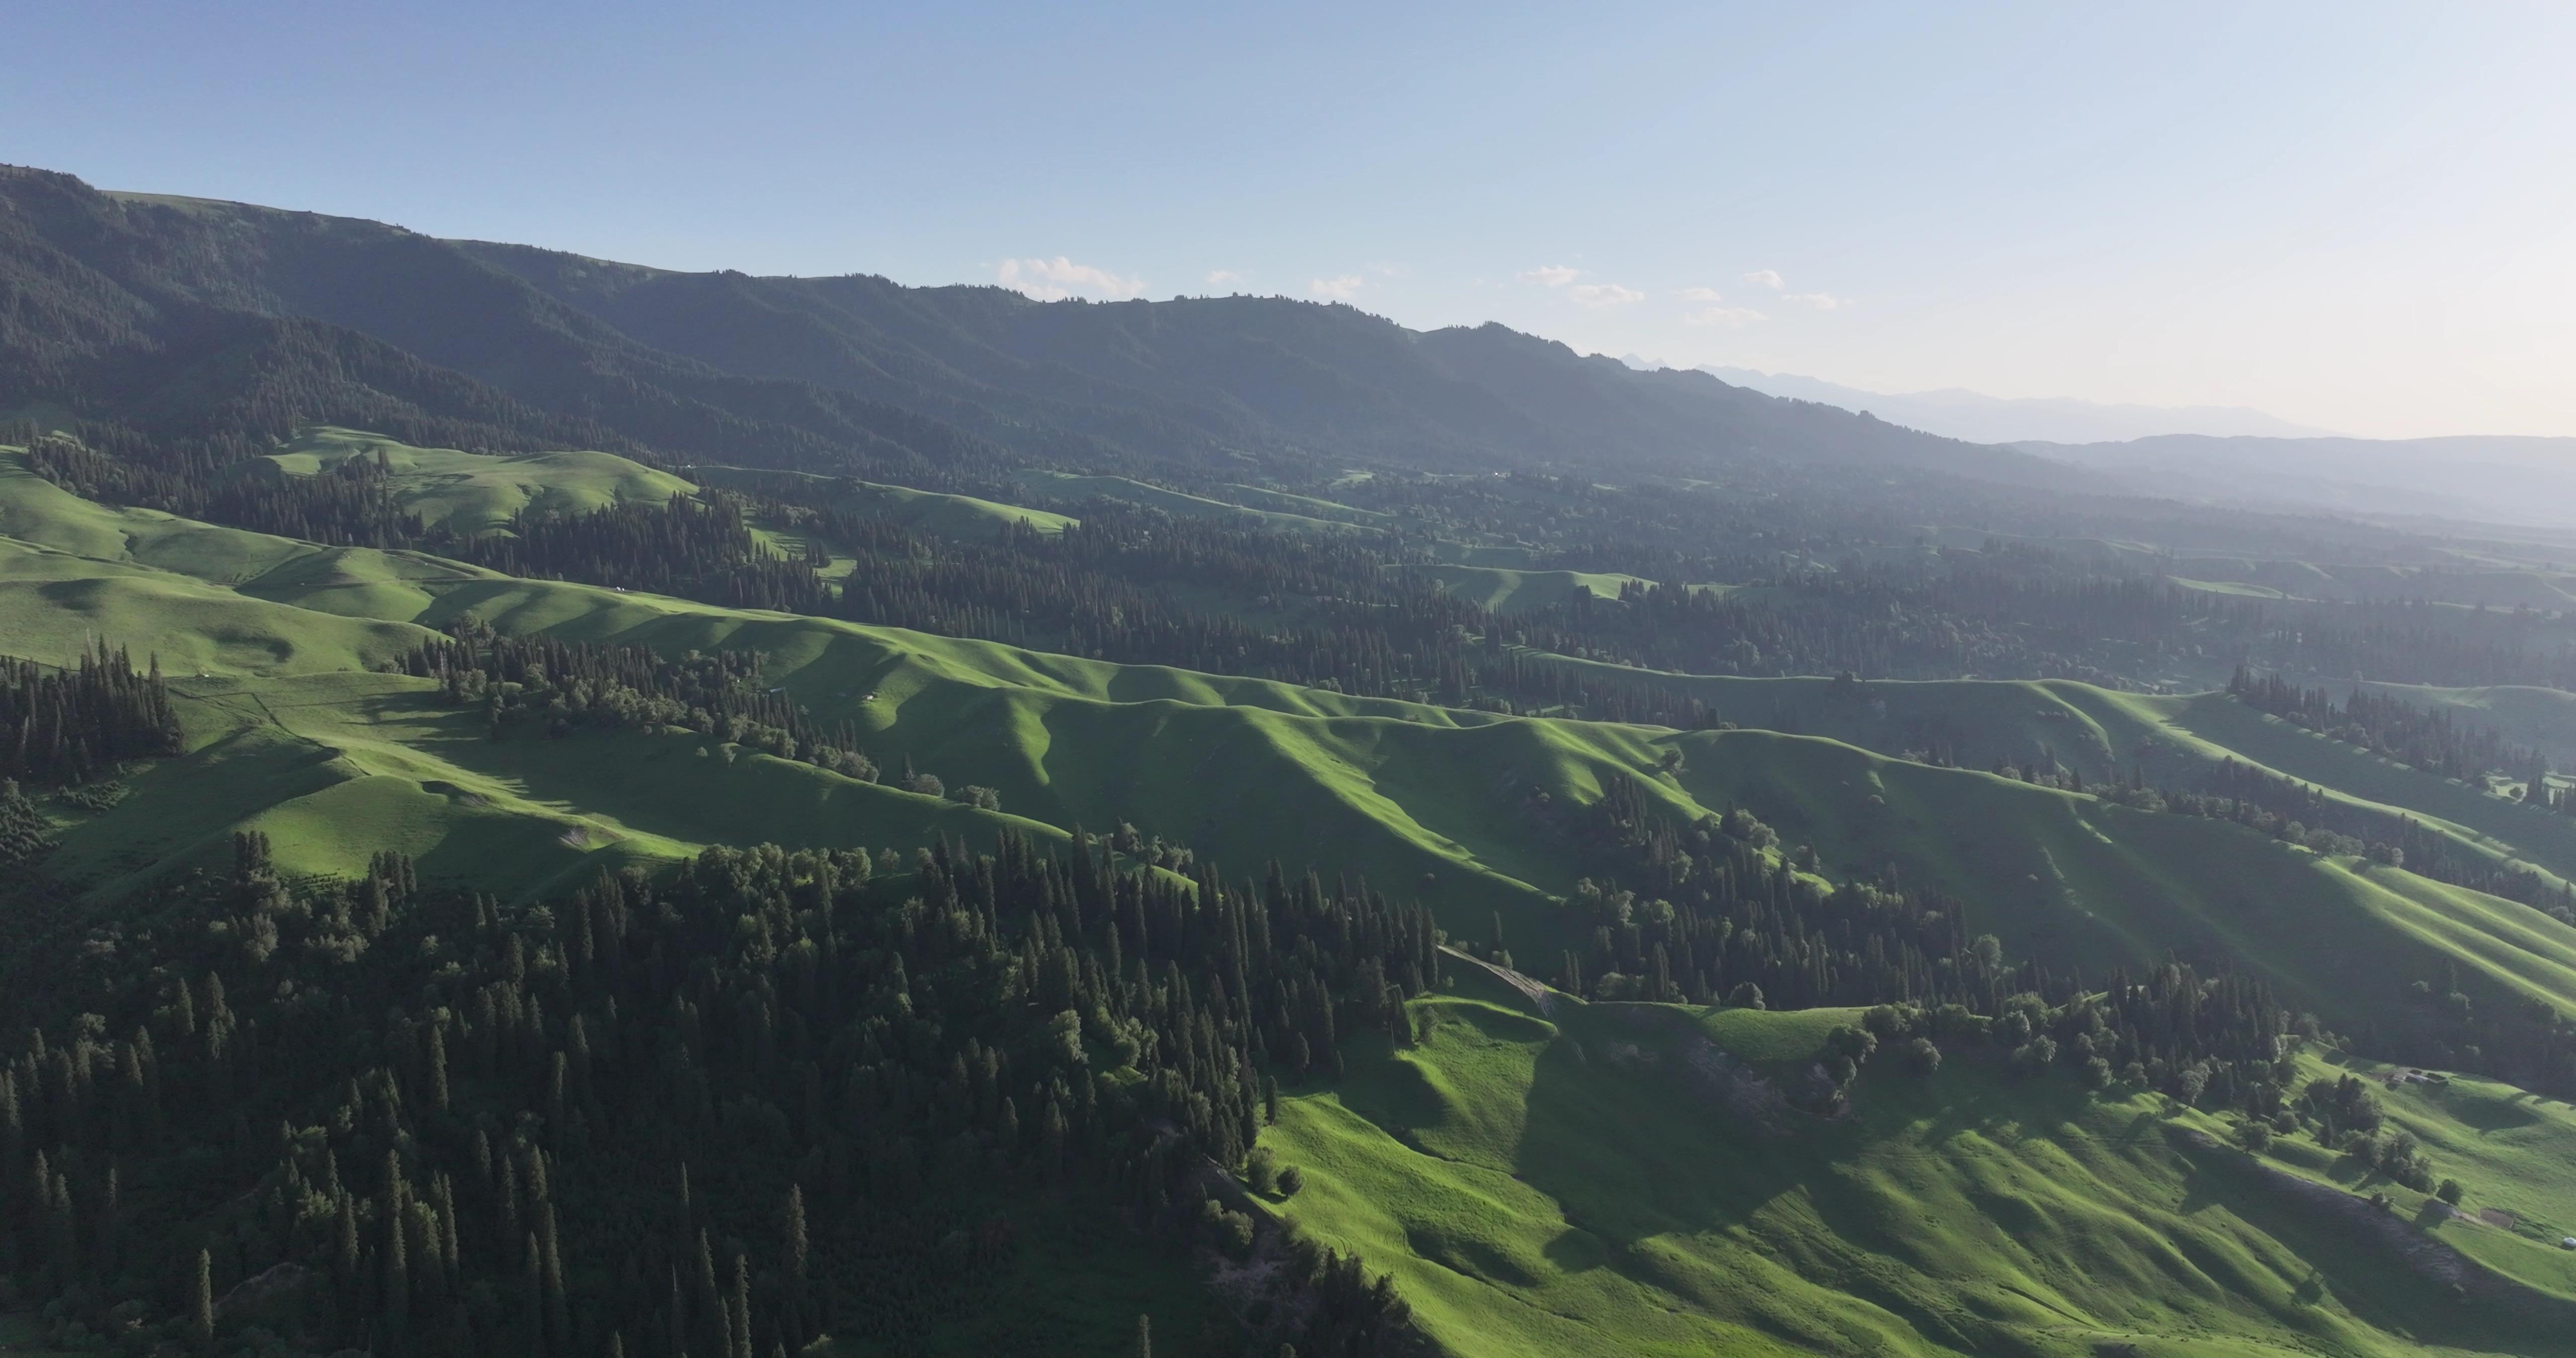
63 726
1720 911
2430 740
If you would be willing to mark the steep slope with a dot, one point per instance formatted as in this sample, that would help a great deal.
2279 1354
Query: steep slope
1581 1183
220 320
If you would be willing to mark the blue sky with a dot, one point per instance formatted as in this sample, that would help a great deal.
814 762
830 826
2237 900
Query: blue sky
2357 216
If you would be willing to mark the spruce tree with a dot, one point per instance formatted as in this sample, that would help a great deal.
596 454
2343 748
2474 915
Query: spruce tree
201 1304
532 1292
740 1306
794 1260
438 1067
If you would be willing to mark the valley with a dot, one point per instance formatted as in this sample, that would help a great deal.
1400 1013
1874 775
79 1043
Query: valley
564 805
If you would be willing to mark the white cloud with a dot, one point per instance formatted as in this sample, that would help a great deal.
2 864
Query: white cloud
1769 278
1340 289
1732 317
1053 280
1220 277
1603 295
1594 295
1699 295
1821 301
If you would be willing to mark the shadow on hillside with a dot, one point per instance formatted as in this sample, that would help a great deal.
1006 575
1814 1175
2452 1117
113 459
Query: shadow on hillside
2494 1115
1630 1151
2361 1271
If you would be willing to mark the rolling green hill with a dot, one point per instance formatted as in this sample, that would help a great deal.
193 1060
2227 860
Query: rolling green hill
455 990
1241 770
956 516
1504 590
334 767
2105 735
471 493
1564 1183
1591 1182
2539 718
1070 486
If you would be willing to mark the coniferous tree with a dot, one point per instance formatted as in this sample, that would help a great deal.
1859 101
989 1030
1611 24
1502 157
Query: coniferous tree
201 1303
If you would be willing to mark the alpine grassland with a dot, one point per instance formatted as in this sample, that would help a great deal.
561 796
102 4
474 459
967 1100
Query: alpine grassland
561 807
1530 1170
474 493
1302 514
275 648
1503 590
1623 1179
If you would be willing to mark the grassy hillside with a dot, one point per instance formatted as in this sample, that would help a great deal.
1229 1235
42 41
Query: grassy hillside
175 588
1307 506
2539 718
1568 1185
955 516
1423 800
2105 735
1504 590
1068 486
334 767
472 493
2508 1147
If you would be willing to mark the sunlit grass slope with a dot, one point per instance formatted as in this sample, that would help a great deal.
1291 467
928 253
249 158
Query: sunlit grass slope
956 516
71 570
2514 1152
1069 486
1425 801
1558 1185
472 493
2104 735
2541 718
335 767
1505 591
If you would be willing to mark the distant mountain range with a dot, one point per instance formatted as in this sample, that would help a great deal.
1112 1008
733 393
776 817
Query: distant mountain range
2230 454
1978 418
2478 478
224 326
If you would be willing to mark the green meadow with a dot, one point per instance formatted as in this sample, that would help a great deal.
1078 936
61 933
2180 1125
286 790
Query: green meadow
1567 1182
1570 1184
290 732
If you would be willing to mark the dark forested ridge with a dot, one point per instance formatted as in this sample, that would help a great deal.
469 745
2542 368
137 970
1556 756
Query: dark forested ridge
1197 375
358 323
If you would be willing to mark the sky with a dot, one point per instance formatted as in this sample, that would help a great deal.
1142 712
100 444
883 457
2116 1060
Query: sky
2357 216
